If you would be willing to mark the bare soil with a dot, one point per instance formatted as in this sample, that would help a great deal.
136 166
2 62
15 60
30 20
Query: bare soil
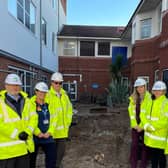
100 138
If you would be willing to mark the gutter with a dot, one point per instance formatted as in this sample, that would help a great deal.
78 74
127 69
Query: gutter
91 38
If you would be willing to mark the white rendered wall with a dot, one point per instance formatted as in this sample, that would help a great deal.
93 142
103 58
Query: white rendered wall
21 42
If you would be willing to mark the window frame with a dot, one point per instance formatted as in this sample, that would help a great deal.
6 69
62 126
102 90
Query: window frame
67 47
93 49
104 55
25 13
44 32
146 29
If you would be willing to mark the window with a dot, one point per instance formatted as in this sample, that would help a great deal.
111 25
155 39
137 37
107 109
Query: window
104 48
27 79
134 33
44 31
53 42
156 75
69 48
165 79
54 4
146 28
87 48
24 11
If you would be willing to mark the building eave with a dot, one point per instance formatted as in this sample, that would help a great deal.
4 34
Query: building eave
16 58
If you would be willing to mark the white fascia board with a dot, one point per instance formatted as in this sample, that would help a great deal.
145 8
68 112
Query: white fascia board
89 38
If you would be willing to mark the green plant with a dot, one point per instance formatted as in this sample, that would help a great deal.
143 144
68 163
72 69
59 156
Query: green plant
118 91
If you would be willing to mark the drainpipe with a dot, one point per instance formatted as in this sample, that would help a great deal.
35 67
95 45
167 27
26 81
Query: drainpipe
58 14
40 33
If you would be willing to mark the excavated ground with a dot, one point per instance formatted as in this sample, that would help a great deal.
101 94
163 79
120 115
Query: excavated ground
99 139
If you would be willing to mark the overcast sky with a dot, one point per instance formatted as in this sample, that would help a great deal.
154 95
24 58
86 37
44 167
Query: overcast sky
100 12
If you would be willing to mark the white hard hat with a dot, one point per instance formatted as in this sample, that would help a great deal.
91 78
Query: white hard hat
139 82
159 85
41 86
57 77
13 79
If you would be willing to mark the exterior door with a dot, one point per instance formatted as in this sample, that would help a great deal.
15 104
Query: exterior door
71 89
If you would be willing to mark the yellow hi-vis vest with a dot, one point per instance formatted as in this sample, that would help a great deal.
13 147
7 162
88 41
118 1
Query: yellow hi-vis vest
144 107
52 117
11 124
62 108
156 125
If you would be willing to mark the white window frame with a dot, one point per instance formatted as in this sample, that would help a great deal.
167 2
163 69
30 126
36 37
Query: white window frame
146 28
23 6
44 34
98 48
23 77
69 48
156 77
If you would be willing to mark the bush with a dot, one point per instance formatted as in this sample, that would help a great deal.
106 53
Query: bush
118 92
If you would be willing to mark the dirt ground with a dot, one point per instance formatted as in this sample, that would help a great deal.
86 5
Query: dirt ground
99 139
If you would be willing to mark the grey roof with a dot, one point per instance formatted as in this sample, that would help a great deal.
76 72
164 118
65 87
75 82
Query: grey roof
91 31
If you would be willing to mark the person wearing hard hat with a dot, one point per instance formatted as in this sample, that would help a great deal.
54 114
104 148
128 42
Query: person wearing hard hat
17 123
138 107
156 125
60 103
44 132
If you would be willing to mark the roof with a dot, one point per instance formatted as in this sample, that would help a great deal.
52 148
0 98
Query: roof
91 31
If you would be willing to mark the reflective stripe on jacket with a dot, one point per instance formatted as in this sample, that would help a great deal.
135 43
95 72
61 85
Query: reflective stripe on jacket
156 125
11 124
61 107
144 107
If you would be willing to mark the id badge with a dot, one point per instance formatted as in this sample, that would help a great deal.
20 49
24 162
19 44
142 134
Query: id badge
45 121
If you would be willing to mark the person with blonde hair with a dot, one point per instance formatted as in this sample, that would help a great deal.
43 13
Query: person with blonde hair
156 125
138 107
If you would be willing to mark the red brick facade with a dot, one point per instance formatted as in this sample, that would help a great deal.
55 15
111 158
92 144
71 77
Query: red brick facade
5 62
93 70
150 55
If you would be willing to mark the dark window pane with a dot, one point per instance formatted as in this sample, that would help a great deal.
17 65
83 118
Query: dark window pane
44 31
103 48
87 48
27 21
20 15
27 6
20 2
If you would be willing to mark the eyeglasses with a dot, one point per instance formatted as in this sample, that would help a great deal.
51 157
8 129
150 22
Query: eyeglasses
57 83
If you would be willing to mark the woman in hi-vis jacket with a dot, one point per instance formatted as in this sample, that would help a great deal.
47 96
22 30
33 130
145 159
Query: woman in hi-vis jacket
156 125
138 107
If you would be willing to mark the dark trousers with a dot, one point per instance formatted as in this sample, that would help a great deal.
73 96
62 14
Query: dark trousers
17 162
60 150
158 158
50 155
138 150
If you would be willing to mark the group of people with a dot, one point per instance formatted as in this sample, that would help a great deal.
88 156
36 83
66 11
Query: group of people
149 125
29 123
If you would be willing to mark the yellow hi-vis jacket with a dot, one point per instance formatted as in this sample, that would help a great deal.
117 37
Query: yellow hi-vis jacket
144 107
62 108
51 129
156 125
11 124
